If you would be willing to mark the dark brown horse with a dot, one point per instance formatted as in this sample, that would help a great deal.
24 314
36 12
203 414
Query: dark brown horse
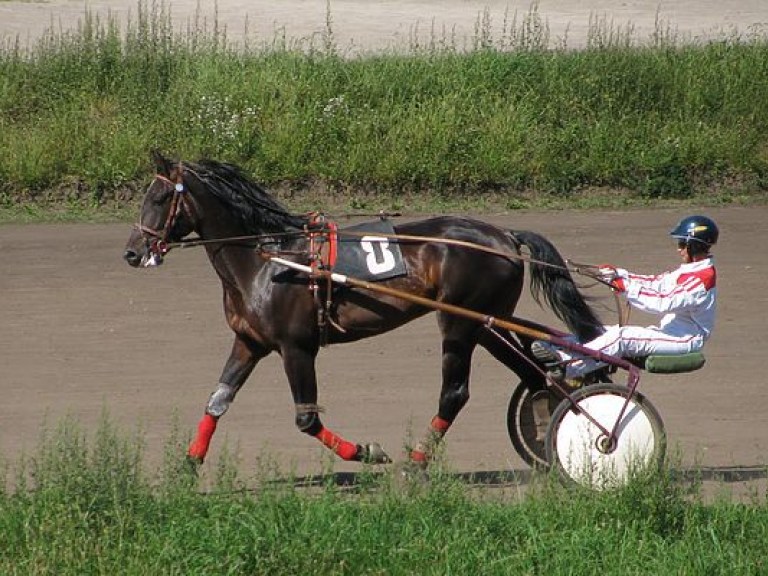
271 308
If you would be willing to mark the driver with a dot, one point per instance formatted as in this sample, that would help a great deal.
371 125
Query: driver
686 297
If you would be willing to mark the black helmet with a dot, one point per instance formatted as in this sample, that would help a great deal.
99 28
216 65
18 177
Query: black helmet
696 230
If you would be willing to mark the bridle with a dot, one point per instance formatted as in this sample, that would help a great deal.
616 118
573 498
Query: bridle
157 241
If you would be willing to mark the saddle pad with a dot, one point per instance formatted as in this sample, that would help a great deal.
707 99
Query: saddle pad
368 254
670 364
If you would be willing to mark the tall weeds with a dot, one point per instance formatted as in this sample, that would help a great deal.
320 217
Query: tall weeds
510 112
85 503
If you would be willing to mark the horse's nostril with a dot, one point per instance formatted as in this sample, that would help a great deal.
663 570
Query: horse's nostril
131 257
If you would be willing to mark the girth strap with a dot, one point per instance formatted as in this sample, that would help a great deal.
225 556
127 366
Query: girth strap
323 242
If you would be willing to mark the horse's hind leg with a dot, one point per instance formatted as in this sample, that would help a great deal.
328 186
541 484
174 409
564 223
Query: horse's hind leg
513 354
238 367
459 340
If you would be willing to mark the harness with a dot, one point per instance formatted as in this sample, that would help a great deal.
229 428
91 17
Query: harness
323 252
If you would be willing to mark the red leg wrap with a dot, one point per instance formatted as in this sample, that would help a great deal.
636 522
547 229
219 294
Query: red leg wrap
345 450
418 456
423 451
205 430
439 425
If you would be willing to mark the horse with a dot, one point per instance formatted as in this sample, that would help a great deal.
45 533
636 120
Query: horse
454 260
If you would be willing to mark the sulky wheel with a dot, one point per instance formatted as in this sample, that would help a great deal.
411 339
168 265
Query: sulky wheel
584 455
528 417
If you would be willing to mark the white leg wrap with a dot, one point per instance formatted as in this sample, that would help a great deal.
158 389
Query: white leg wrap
219 401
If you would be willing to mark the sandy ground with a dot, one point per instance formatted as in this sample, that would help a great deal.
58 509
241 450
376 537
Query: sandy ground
373 25
83 333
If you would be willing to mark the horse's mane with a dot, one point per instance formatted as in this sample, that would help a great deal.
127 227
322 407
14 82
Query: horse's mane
246 201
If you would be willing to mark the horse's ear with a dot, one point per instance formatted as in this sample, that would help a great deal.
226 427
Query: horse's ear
162 164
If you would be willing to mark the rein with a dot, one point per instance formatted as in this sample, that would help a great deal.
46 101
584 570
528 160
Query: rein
161 246
406 237
588 270
592 271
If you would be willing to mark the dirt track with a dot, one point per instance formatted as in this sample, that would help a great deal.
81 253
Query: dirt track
83 332
377 24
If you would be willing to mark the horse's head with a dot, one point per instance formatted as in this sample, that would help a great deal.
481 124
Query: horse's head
167 215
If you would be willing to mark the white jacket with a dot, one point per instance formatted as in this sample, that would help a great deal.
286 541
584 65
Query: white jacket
686 296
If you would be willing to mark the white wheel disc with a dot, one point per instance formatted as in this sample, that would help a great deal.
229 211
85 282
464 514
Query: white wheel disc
581 447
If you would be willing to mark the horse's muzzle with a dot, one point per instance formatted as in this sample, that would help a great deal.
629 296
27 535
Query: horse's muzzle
132 257
143 252
146 260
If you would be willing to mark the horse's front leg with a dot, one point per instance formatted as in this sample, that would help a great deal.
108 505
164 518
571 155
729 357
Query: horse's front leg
299 364
238 367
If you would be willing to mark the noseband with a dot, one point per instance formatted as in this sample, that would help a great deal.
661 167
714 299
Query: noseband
158 245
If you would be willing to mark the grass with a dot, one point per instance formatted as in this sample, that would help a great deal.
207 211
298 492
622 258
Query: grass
85 504
510 122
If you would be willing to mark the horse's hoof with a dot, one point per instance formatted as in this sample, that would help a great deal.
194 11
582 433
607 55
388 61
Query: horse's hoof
411 474
373 453
193 464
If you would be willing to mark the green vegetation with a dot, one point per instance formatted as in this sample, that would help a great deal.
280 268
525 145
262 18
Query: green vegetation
84 505
509 117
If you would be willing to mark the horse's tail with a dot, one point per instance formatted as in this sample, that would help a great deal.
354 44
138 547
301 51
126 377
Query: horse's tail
550 276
